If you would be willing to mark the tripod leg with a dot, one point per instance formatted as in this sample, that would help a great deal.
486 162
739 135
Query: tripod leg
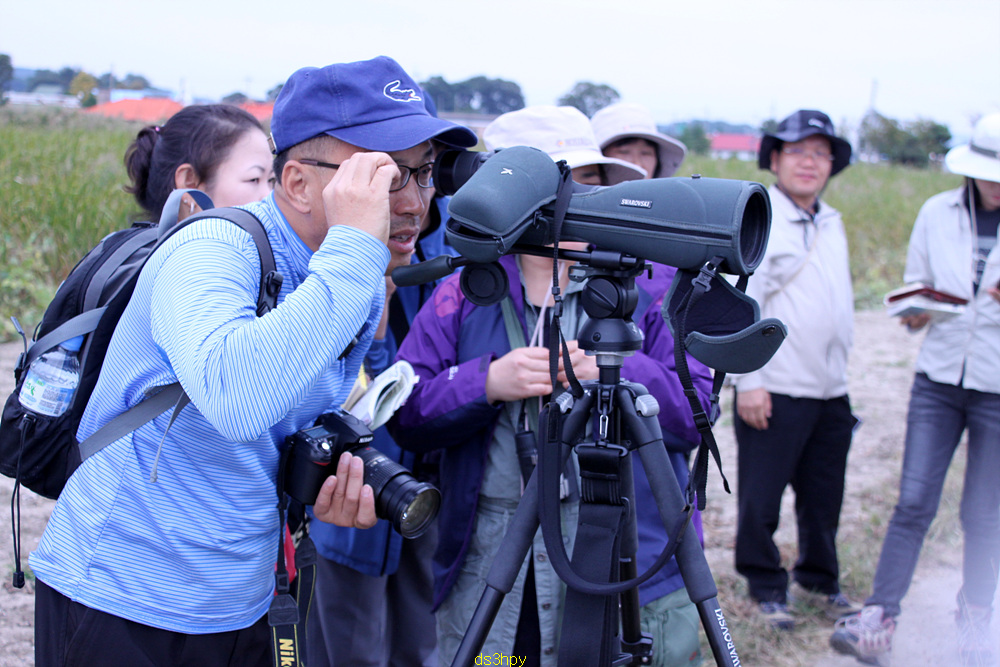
690 557
502 575
632 640
634 643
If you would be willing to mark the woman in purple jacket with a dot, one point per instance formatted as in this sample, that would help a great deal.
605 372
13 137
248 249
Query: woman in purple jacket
468 402
468 374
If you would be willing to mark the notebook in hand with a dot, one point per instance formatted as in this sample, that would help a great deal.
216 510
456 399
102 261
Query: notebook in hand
917 298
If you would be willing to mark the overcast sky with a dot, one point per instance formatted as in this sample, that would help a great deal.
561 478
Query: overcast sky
734 60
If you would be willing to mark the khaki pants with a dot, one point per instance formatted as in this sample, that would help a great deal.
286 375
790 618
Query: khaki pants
673 623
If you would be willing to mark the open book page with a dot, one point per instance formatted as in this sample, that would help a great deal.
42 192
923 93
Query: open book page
358 390
377 402
922 289
917 298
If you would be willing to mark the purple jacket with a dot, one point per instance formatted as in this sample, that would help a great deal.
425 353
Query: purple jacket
450 346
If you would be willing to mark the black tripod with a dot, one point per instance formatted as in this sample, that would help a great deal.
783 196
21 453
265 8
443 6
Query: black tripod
624 419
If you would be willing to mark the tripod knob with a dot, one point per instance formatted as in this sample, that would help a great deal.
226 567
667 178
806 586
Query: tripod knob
647 406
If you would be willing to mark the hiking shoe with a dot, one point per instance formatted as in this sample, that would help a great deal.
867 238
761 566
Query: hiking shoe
838 605
866 635
776 615
833 606
975 645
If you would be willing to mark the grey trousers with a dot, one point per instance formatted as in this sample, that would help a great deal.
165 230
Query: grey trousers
362 621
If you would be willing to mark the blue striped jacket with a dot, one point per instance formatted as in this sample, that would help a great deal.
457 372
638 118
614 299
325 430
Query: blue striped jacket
194 551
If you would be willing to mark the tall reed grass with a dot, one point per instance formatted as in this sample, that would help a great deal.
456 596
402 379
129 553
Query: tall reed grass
61 179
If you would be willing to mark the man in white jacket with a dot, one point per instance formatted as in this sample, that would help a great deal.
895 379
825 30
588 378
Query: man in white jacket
793 417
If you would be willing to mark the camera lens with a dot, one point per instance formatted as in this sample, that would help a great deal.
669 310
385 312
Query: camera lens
409 504
417 515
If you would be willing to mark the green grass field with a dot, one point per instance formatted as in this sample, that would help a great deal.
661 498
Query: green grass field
62 179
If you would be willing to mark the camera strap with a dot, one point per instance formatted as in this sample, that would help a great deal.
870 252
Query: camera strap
556 340
593 576
288 612
698 481
556 434
523 419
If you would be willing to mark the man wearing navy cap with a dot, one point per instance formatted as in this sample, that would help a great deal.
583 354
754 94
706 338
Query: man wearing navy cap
793 417
374 590
181 570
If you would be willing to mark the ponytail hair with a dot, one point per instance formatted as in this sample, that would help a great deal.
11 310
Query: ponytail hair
199 135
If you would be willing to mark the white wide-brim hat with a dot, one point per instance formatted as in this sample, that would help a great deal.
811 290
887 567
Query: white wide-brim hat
980 158
626 121
562 132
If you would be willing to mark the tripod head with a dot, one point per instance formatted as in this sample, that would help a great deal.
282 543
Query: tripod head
610 298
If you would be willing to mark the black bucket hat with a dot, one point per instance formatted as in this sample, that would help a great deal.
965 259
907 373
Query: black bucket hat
801 124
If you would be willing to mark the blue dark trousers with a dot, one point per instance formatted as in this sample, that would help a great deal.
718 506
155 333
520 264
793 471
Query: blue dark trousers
359 620
938 414
67 633
805 445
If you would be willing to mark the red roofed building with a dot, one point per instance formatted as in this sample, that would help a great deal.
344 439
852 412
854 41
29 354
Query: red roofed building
153 110
741 146
149 110
262 111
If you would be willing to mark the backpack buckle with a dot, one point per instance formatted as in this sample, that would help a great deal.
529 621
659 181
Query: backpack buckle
269 289
354 341
19 368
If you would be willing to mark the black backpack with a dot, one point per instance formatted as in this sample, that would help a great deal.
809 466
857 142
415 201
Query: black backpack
40 451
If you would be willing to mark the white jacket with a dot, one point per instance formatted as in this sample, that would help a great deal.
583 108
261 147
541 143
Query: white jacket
810 291
940 254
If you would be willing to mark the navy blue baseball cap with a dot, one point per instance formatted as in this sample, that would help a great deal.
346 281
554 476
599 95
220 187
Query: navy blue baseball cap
372 104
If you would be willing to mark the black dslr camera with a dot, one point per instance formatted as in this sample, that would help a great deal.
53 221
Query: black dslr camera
313 454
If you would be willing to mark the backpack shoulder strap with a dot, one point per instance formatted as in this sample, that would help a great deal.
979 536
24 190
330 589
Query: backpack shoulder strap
133 418
515 336
270 279
79 325
173 394
172 207
95 290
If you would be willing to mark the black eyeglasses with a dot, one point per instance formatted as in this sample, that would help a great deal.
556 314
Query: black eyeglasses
424 173
801 154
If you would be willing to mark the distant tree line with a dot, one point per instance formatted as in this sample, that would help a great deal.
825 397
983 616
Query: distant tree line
914 143
479 94
695 138
590 97
484 95
6 74
70 81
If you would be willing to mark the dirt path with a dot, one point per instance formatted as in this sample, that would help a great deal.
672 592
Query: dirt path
881 373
